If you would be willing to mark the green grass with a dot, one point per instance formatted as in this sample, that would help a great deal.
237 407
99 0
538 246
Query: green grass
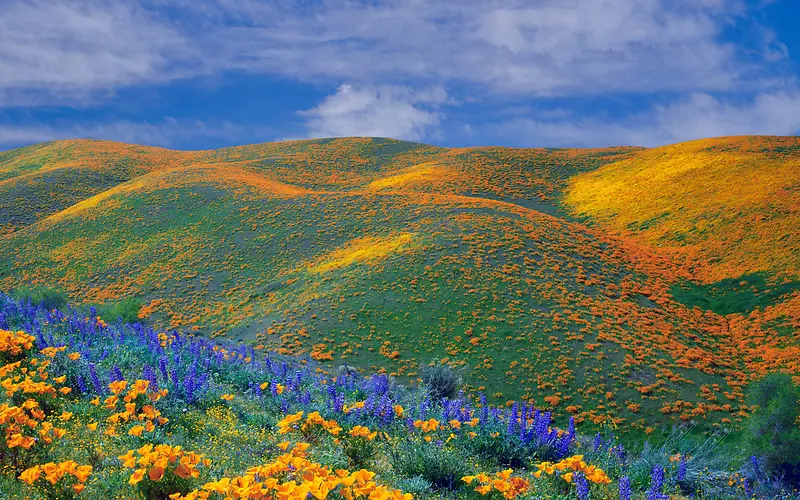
733 295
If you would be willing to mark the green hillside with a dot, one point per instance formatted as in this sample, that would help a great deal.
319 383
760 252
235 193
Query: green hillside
383 254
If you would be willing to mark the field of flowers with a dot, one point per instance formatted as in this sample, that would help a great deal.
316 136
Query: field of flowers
124 411
387 256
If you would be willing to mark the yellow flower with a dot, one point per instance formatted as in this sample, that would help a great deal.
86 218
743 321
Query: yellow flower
118 386
31 475
137 476
136 430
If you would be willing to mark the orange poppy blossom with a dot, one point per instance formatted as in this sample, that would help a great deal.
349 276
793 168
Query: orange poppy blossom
155 461
314 419
502 482
15 343
293 476
361 431
53 473
571 465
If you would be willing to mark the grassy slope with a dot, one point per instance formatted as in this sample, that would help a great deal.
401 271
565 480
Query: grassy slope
729 208
380 253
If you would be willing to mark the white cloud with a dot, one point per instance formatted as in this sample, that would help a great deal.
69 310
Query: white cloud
699 115
541 47
377 111
68 49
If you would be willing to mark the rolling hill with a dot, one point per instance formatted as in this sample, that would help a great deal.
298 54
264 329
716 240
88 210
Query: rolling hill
625 286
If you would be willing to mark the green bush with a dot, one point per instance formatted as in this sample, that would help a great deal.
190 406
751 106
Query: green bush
413 485
359 451
441 466
442 381
773 433
41 296
126 310
506 452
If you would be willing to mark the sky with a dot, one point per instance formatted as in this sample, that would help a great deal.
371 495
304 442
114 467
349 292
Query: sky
202 74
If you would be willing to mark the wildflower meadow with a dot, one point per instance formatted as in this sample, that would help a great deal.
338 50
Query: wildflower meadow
124 411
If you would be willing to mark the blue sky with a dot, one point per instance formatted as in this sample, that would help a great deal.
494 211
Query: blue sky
198 74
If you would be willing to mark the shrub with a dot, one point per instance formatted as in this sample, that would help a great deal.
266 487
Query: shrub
359 446
507 452
442 467
48 298
416 484
773 434
126 310
693 463
442 381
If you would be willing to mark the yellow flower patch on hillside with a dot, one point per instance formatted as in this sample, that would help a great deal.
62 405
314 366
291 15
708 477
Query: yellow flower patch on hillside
731 202
364 250
424 172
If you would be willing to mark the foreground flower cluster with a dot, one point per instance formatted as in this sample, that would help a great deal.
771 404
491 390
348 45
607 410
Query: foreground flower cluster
294 476
122 411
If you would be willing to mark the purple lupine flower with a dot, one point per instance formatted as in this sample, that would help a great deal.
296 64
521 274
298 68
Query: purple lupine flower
563 445
748 488
423 409
149 374
581 486
41 343
598 442
338 404
656 484
625 488
512 419
524 435
622 454
681 475
755 465
174 374
98 387
331 390
162 367
81 384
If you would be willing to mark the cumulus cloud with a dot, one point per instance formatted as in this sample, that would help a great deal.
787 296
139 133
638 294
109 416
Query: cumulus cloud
377 111
69 51
540 48
545 47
